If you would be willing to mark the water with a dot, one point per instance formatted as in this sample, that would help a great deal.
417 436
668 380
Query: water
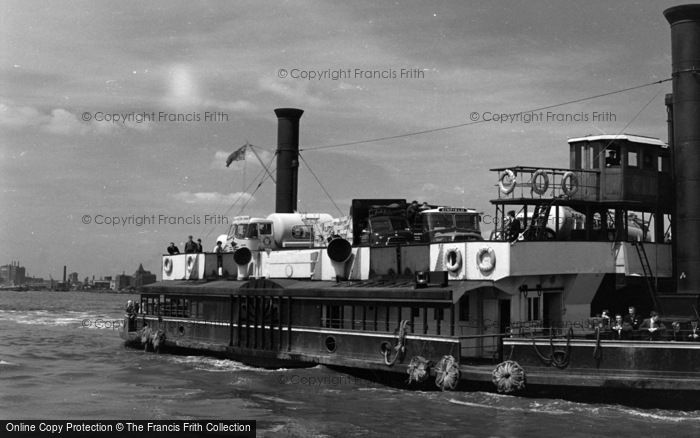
56 364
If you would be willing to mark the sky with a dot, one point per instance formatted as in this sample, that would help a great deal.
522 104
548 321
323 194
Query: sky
82 188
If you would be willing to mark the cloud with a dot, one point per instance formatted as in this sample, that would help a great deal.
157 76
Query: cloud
297 94
234 106
62 122
214 198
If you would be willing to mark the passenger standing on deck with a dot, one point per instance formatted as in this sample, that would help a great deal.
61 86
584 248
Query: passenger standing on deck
632 318
653 326
199 245
512 227
172 249
617 326
411 212
219 250
190 246
694 331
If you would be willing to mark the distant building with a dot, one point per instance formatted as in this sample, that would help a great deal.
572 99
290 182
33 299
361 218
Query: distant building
143 277
13 274
101 284
122 281
73 278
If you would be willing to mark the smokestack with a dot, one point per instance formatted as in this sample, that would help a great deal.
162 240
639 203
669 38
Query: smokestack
685 52
287 158
64 274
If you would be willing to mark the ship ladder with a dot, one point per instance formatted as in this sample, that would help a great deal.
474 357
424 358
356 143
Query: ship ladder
647 272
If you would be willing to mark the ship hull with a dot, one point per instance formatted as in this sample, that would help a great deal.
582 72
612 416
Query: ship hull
357 332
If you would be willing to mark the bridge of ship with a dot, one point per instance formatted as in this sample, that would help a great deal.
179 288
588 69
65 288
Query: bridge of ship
611 177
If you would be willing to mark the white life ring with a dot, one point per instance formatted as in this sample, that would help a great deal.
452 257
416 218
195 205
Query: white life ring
190 262
507 188
453 259
569 183
486 260
267 241
538 188
168 265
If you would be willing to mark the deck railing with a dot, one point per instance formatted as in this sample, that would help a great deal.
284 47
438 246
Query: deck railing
522 182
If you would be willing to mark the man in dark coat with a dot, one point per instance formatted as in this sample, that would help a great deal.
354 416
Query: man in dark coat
513 228
190 246
199 245
172 249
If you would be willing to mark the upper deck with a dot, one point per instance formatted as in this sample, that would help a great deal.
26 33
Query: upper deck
626 170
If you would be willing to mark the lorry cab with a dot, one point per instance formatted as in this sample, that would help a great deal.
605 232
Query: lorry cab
449 224
251 233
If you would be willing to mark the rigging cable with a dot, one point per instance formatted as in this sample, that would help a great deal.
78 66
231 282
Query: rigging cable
321 184
240 196
460 125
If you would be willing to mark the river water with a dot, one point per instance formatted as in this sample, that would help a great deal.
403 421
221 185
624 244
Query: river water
61 357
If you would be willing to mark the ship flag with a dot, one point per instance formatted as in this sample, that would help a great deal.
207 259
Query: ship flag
237 155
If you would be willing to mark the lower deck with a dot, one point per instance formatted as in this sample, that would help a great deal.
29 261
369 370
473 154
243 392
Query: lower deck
384 332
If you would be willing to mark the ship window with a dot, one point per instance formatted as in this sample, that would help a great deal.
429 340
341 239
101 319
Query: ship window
464 308
533 308
647 160
334 316
662 164
439 314
593 151
612 158
632 159
415 312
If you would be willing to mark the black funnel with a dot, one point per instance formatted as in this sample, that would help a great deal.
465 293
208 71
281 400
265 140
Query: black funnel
685 50
287 159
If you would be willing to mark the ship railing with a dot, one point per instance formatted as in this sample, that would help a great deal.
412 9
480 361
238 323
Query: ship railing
482 347
547 183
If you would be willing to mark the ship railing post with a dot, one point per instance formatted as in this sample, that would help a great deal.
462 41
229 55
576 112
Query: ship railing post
279 321
238 328
230 322
289 323
352 317
452 320
364 317
425 320
247 321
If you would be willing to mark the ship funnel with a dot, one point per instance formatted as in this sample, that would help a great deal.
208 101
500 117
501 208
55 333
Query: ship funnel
242 256
287 159
685 50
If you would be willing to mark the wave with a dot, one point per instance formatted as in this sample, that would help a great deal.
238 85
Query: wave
530 409
502 402
210 364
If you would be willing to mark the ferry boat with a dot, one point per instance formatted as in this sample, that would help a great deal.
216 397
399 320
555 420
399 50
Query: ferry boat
417 297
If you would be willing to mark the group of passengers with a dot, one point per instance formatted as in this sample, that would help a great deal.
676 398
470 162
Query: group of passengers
191 247
633 327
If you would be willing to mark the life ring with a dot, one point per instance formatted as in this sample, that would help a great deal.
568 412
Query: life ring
453 259
507 188
168 265
569 183
190 262
508 377
538 188
486 259
267 241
